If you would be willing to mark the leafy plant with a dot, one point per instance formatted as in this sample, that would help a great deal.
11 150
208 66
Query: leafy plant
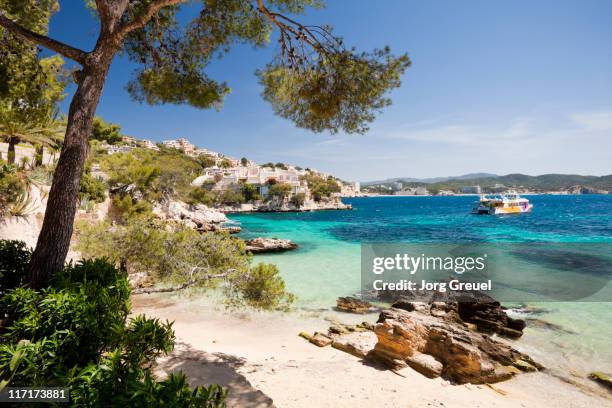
23 205
92 189
77 334
298 199
261 288
11 188
186 257
279 190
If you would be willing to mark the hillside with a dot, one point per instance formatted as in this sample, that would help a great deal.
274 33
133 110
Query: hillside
490 183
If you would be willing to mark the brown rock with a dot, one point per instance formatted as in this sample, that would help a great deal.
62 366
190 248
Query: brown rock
320 339
262 245
425 364
602 378
354 305
465 356
358 344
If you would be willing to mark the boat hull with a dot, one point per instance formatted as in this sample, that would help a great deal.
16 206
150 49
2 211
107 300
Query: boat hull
485 210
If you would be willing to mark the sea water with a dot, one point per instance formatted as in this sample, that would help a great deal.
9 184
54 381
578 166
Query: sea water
327 263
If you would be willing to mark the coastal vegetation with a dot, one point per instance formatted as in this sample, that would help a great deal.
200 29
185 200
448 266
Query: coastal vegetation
321 187
184 257
77 333
11 188
315 81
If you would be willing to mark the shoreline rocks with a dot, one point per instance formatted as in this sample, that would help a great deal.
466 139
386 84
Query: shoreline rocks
444 346
433 339
351 304
476 308
265 245
197 216
286 206
602 378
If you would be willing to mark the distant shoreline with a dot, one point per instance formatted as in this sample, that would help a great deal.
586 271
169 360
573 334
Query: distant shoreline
472 195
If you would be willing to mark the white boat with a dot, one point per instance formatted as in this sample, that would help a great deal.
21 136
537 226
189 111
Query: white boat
509 203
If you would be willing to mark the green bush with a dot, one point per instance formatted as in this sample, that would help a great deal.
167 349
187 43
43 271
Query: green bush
200 195
280 190
77 334
262 288
125 208
91 188
298 199
185 256
250 193
105 132
11 188
230 196
14 258
320 187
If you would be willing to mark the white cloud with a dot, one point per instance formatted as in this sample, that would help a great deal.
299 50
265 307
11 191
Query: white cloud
537 144
594 121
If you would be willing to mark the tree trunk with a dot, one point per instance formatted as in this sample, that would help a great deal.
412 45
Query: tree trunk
38 157
54 239
10 154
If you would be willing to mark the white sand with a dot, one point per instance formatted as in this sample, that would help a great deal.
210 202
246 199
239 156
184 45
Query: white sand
261 358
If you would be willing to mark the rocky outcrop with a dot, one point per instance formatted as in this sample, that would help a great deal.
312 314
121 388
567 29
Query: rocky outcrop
353 305
286 206
477 308
196 216
578 189
602 378
436 342
433 340
359 343
262 245
318 339
139 280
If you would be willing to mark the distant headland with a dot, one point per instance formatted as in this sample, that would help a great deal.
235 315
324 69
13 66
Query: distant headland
486 183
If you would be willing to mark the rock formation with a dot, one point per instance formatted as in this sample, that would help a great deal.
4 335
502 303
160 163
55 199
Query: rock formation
196 216
578 189
432 339
602 378
353 305
261 245
436 342
477 308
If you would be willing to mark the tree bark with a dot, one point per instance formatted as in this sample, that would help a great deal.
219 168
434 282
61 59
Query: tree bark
54 239
10 154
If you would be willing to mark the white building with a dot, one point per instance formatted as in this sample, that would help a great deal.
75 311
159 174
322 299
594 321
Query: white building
147 144
181 144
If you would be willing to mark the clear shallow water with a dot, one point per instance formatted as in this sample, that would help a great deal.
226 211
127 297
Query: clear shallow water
327 263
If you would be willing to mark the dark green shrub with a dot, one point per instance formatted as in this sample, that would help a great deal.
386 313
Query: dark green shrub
298 199
14 258
77 334
231 196
200 195
262 288
92 189
11 187
250 192
280 190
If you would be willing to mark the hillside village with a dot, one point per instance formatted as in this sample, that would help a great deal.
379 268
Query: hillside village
224 173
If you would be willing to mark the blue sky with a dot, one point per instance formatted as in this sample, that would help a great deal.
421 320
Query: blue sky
500 87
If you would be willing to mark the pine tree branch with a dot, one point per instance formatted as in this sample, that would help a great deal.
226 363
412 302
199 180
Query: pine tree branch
191 282
66 50
141 20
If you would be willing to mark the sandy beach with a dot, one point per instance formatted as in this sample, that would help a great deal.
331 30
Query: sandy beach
264 363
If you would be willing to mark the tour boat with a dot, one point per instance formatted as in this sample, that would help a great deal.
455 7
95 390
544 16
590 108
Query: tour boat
510 203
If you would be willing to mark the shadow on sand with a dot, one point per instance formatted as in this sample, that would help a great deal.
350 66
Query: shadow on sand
204 368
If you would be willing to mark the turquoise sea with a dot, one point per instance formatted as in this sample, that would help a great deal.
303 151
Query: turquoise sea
327 263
